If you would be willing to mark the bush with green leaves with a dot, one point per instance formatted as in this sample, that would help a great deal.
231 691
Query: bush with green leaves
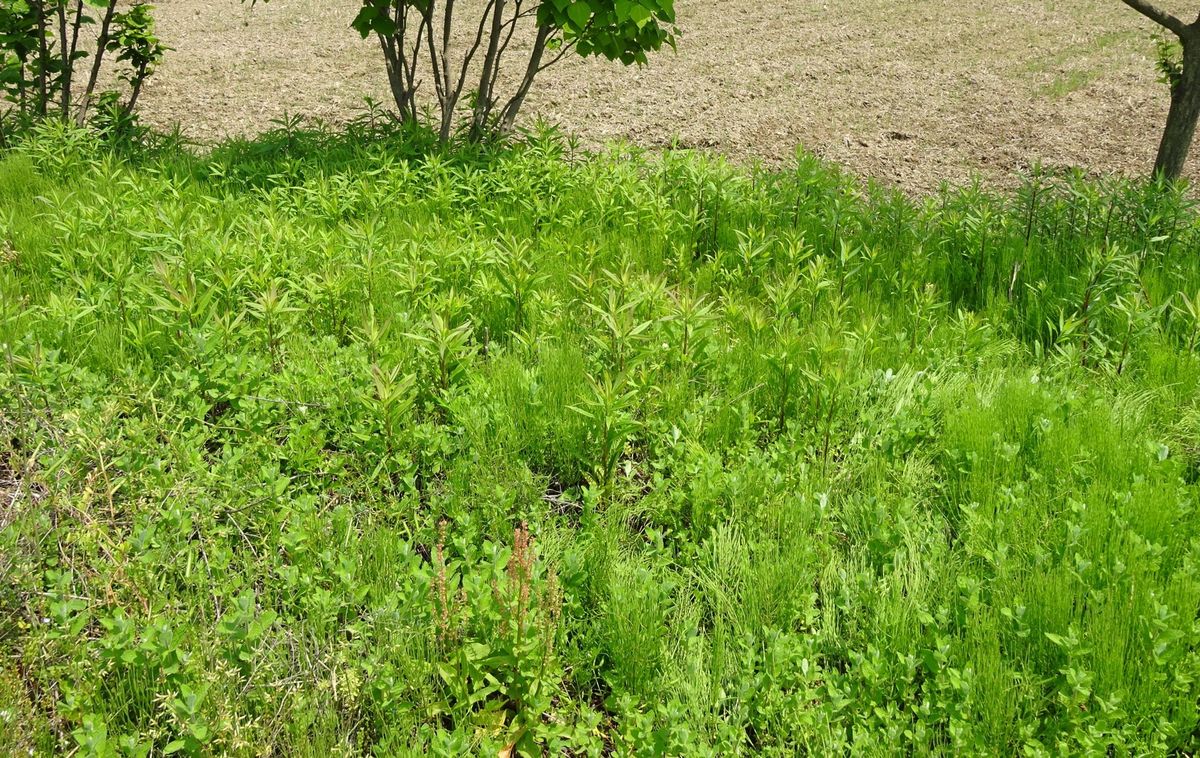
415 39
332 444
53 54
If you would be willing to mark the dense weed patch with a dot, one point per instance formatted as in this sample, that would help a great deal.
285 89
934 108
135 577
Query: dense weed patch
324 444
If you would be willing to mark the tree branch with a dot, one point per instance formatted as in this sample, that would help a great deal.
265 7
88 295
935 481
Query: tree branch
512 27
69 71
508 115
566 48
474 48
97 61
1160 16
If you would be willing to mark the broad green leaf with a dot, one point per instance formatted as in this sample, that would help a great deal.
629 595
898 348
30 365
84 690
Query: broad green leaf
580 13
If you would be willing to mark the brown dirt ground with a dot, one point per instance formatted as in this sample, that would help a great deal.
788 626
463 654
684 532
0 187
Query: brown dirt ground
912 93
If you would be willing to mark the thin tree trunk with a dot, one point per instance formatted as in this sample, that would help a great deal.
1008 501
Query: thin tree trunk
410 72
434 61
449 99
64 76
138 81
440 66
395 77
508 116
1181 119
97 62
69 61
484 98
43 80
400 70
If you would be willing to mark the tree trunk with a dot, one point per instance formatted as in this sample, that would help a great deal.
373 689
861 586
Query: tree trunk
43 79
395 71
138 80
483 96
97 62
1181 119
64 76
508 117
69 61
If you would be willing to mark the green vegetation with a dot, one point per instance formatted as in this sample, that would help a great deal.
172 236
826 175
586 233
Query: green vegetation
1075 66
338 444
52 57
1065 84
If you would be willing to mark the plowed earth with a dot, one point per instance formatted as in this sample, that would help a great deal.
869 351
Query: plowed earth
911 93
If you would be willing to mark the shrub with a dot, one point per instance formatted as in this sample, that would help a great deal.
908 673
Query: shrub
412 31
43 48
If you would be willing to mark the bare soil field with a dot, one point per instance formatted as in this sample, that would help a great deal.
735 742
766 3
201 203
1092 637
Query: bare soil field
911 93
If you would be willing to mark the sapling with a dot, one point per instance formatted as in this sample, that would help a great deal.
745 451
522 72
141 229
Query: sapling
272 307
1110 270
754 251
392 399
448 346
689 322
371 334
44 41
609 406
922 306
1139 320
622 330
785 372
816 281
134 42
519 279
849 261
783 294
